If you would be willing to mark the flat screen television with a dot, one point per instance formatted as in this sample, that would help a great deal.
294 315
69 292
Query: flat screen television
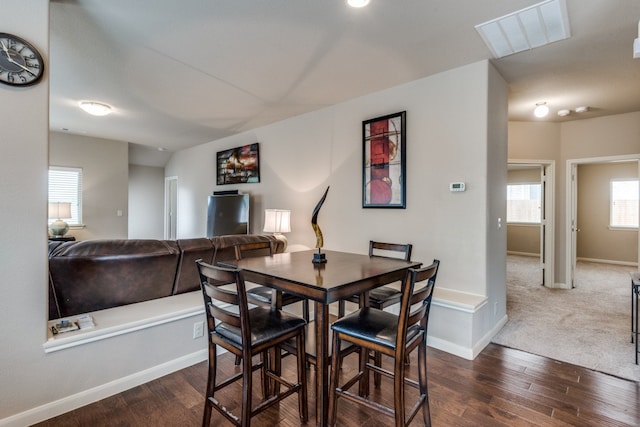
228 214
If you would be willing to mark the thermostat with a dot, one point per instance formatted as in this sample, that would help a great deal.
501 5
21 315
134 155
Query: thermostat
456 186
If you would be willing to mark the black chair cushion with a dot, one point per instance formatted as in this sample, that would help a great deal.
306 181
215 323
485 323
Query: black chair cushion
263 294
266 324
373 325
384 295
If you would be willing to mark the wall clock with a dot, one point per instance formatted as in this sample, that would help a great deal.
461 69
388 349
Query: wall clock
20 63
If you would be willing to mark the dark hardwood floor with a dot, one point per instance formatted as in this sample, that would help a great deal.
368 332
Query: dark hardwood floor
501 387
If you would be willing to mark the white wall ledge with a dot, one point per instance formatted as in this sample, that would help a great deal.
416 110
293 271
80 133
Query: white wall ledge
126 319
457 300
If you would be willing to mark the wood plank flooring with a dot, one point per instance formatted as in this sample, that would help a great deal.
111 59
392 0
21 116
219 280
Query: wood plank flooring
501 387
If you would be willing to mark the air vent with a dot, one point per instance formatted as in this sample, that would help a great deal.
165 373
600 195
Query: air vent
532 27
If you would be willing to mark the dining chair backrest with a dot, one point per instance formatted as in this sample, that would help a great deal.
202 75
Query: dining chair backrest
253 249
416 302
225 298
394 250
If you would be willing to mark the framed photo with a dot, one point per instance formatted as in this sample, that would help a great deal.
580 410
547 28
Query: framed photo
384 162
240 165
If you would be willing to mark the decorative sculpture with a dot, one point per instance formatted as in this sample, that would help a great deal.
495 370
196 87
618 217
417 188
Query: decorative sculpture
319 257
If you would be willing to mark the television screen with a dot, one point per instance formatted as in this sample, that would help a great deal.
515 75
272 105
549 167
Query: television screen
228 214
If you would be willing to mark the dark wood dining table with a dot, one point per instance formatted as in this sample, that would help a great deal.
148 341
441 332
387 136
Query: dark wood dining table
343 275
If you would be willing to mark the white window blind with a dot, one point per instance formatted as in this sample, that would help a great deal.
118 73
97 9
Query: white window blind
65 185
524 203
624 203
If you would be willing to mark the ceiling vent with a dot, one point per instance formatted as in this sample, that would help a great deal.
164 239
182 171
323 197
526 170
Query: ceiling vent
532 27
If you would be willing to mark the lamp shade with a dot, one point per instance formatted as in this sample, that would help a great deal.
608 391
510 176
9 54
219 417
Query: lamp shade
59 210
277 221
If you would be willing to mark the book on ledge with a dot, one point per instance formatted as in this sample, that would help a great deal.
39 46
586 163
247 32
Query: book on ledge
66 325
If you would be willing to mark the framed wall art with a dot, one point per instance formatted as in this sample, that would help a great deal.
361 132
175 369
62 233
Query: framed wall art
240 165
384 162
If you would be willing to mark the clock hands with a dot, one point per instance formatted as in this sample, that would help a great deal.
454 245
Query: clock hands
10 59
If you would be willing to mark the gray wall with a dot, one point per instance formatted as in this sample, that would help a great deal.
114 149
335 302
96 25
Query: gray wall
105 184
595 240
615 135
146 202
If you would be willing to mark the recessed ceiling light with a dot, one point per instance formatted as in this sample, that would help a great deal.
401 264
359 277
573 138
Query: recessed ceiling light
357 3
95 108
541 109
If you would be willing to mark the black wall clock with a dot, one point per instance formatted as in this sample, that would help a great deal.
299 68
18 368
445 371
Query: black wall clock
20 63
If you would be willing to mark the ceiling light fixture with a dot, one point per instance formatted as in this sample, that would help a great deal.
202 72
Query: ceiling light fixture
563 113
95 108
541 109
582 109
357 3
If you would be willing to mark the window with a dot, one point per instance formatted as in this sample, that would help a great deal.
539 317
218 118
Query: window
65 185
524 203
624 203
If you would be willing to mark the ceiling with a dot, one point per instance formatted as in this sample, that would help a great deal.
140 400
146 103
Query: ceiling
179 73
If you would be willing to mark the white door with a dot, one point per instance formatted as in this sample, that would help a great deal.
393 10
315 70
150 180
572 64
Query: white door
574 224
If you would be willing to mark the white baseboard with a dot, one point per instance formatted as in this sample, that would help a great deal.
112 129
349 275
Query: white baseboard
531 254
607 261
69 403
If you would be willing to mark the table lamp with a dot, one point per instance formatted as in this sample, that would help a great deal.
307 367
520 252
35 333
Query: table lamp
277 221
57 211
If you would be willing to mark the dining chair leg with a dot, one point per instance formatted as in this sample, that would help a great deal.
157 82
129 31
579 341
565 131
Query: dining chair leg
302 379
377 360
305 309
398 391
422 381
246 392
341 309
336 363
211 386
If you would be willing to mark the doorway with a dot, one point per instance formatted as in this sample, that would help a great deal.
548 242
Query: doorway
544 171
573 222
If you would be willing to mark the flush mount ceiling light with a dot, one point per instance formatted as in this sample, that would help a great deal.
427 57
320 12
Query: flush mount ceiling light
582 109
636 44
563 113
541 109
531 27
357 3
95 108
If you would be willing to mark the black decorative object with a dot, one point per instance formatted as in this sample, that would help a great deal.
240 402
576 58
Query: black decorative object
319 257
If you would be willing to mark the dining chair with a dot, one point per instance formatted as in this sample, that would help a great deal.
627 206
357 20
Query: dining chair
265 295
377 330
383 296
245 332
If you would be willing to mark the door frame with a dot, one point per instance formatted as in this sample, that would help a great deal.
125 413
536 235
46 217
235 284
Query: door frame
547 241
171 207
571 208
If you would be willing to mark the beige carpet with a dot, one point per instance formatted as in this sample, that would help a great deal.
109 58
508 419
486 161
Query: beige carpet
588 326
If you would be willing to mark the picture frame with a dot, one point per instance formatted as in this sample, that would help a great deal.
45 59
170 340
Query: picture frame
384 162
240 165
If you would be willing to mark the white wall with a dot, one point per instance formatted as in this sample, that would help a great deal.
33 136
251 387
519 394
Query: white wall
146 202
456 131
301 157
32 383
105 172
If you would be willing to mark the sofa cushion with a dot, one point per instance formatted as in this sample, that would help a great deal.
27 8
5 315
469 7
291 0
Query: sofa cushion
187 278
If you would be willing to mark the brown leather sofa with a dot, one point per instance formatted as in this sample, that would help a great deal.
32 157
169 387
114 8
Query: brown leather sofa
93 275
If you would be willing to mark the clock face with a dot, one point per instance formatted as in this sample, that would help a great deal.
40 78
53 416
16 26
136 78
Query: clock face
20 62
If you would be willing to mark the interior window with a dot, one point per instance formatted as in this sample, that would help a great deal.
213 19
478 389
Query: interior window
524 203
65 185
624 203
